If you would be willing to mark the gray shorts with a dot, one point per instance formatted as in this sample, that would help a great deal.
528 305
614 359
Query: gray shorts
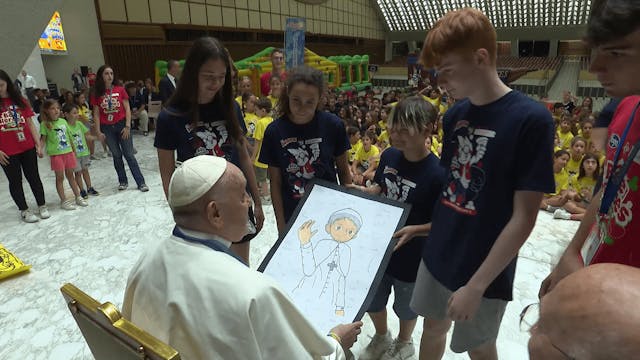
82 162
430 300
402 297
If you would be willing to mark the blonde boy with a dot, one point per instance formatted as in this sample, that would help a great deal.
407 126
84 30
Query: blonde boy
263 112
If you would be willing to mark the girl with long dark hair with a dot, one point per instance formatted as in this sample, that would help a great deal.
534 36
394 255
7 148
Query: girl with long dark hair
112 121
19 146
202 118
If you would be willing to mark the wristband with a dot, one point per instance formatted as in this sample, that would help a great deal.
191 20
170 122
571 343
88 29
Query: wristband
335 336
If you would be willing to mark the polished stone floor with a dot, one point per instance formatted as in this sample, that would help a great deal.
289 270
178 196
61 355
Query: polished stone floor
95 247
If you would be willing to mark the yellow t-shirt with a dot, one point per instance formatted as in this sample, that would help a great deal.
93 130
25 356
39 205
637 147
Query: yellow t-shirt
573 166
443 108
435 102
587 146
561 180
365 157
601 159
274 101
382 125
586 183
565 139
258 135
354 149
239 101
85 114
435 144
250 120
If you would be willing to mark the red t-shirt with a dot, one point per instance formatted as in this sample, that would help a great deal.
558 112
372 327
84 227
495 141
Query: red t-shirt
91 79
621 238
110 105
15 134
265 81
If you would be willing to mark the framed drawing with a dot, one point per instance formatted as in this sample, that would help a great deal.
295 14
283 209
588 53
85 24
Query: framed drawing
335 251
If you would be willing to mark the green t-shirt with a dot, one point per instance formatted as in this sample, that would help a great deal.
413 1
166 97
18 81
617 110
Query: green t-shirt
77 132
57 137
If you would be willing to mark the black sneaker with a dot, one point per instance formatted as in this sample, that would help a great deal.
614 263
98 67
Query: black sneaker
123 186
84 194
143 188
93 191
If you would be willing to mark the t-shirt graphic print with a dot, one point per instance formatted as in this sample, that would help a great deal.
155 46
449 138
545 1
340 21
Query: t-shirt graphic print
399 188
210 139
61 135
467 176
302 157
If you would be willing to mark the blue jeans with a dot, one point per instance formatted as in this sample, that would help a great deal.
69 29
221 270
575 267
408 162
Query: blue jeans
119 147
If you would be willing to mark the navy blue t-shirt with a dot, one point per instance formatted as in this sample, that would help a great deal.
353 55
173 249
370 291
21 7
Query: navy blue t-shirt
303 152
488 152
606 115
419 184
209 136
136 101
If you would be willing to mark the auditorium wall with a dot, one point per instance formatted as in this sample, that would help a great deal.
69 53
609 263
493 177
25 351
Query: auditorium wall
136 33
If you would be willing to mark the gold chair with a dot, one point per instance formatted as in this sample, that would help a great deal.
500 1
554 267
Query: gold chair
108 334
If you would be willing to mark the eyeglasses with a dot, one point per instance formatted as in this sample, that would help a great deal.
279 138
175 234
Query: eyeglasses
529 317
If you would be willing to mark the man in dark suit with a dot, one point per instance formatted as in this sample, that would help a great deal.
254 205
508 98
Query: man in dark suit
168 83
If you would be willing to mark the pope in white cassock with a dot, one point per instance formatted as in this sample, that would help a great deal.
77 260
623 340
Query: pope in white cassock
190 291
326 265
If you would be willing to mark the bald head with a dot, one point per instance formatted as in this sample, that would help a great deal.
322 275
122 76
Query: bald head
592 314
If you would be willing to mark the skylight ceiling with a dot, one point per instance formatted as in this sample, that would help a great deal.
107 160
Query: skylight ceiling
410 15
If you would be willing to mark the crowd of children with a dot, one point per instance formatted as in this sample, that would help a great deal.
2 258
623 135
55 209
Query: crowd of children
578 160
365 114
63 129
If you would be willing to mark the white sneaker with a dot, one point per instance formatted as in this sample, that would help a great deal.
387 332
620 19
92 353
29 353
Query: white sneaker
44 212
399 351
67 205
82 202
378 345
551 208
28 217
562 214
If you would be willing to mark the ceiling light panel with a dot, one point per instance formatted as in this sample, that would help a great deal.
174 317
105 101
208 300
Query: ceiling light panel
409 15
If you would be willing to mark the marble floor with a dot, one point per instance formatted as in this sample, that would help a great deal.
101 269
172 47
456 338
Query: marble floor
95 247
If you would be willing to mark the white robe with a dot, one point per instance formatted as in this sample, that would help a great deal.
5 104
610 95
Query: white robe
208 305
326 266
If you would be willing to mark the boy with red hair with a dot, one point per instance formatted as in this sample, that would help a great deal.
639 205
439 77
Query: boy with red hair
497 152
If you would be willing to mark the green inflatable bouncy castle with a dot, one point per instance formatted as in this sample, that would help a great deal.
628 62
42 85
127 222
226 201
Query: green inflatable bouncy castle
340 72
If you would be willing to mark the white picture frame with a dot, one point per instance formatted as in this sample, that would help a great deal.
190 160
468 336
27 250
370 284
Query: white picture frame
334 252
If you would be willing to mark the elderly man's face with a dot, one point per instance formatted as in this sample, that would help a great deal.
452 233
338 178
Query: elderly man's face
233 205
555 336
543 347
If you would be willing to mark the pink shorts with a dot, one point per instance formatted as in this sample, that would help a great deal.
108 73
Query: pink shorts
63 162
